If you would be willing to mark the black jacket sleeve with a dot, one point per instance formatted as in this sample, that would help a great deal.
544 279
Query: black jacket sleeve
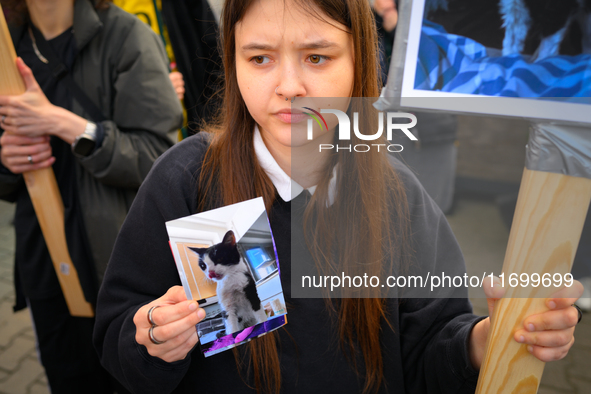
10 184
435 329
144 109
142 269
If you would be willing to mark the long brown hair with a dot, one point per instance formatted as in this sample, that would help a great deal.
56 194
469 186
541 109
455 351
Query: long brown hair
231 173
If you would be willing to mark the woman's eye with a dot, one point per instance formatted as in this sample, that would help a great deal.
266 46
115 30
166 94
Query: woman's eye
260 59
317 59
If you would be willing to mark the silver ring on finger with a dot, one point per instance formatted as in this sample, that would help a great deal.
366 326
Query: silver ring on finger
30 158
150 318
152 338
3 117
579 311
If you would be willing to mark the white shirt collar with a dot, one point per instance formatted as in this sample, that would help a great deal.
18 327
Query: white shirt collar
286 187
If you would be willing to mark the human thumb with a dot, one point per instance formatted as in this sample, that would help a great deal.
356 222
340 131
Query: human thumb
27 74
493 291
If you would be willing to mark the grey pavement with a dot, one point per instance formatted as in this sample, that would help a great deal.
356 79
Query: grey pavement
20 370
476 223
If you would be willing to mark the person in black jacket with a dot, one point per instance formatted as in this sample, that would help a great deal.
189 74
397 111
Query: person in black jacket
278 57
100 153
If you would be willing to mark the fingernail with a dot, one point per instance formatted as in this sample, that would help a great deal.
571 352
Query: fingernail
192 306
521 339
530 348
201 314
530 327
551 305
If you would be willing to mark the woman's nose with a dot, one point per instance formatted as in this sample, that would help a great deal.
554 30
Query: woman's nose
290 83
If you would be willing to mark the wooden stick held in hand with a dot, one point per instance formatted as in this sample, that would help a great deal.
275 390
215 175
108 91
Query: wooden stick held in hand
546 229
44 192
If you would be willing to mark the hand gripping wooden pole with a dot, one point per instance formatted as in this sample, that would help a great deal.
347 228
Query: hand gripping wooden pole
546 229
44 193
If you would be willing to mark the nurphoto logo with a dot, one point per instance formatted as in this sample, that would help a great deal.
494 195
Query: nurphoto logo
345 129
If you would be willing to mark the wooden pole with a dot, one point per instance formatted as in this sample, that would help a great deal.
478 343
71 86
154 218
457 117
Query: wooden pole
547 225
44 193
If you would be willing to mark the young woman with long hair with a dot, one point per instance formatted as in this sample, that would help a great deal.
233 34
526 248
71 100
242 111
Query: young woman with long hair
275 51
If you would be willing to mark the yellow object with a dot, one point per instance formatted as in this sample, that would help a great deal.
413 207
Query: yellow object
145 11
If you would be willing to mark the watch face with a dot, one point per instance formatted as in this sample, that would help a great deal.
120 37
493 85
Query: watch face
84 146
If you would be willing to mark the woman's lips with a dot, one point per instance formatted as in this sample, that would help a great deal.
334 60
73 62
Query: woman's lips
291 117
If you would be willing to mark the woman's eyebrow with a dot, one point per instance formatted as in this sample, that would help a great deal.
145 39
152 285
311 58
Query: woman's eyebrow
320 44
257 46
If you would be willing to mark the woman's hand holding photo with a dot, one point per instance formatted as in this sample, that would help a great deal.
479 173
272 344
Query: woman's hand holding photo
166 326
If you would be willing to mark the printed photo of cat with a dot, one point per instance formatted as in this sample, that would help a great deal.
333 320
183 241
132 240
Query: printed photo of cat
236 288
227 262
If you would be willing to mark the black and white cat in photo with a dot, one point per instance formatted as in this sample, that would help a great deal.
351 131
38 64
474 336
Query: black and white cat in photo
236 289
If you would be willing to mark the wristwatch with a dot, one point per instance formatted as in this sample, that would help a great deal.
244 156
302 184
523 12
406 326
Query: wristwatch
84 144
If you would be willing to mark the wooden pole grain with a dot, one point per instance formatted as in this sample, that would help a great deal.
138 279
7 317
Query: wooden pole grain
44 192
545 233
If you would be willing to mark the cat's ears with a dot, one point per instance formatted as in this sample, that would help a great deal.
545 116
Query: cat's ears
229 238
199 251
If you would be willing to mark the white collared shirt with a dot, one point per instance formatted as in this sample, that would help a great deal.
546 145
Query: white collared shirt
286 187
